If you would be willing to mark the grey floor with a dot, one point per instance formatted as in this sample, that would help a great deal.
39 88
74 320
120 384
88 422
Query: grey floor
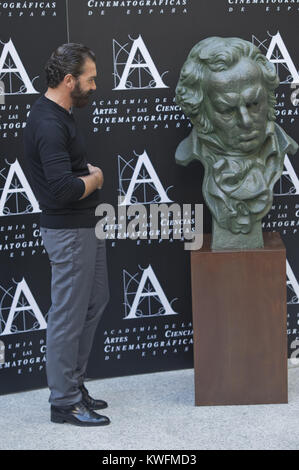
154 412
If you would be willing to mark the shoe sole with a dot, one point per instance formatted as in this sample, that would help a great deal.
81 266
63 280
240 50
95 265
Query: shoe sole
60 420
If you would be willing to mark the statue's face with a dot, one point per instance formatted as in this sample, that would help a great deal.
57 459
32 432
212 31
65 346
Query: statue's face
237 106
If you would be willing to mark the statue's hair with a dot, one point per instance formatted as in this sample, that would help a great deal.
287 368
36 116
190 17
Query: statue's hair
218 54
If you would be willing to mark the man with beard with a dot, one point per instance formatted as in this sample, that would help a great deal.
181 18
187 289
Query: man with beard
67 188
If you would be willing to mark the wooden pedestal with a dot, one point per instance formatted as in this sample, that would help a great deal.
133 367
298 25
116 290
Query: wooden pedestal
240 321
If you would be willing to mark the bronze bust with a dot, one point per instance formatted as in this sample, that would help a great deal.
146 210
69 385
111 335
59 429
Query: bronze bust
227 89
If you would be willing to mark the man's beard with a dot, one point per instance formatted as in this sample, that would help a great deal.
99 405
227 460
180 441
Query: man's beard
79 97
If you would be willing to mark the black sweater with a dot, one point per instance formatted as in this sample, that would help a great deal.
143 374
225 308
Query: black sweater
55 155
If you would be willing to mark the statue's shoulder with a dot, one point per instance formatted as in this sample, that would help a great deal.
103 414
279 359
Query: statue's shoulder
286 143
187 150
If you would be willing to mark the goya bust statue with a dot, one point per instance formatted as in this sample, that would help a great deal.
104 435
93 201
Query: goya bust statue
227 89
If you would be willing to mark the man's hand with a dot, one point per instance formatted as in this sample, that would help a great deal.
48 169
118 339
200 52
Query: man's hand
92 181
96 170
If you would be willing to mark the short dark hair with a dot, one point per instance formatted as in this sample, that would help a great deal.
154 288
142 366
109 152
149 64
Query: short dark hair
68 58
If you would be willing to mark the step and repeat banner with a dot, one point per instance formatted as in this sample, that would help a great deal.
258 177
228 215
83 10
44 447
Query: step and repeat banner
132 126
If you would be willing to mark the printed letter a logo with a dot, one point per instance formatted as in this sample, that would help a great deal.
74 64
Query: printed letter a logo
139 72
12 72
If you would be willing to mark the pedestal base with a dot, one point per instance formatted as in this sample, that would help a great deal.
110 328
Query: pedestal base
240 322
224 240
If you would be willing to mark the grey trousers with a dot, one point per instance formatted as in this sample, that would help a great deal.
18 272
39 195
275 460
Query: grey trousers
79 295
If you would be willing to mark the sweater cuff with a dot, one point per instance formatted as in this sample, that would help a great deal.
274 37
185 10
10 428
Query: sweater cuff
79 188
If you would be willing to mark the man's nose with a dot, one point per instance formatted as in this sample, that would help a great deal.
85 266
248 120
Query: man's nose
245 118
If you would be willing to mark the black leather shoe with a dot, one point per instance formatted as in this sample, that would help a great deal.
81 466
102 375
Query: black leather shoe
91 402
77 414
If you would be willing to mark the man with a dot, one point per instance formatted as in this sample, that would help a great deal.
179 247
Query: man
227 88
67 188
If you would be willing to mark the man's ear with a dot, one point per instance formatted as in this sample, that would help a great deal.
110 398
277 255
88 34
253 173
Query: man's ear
69 81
